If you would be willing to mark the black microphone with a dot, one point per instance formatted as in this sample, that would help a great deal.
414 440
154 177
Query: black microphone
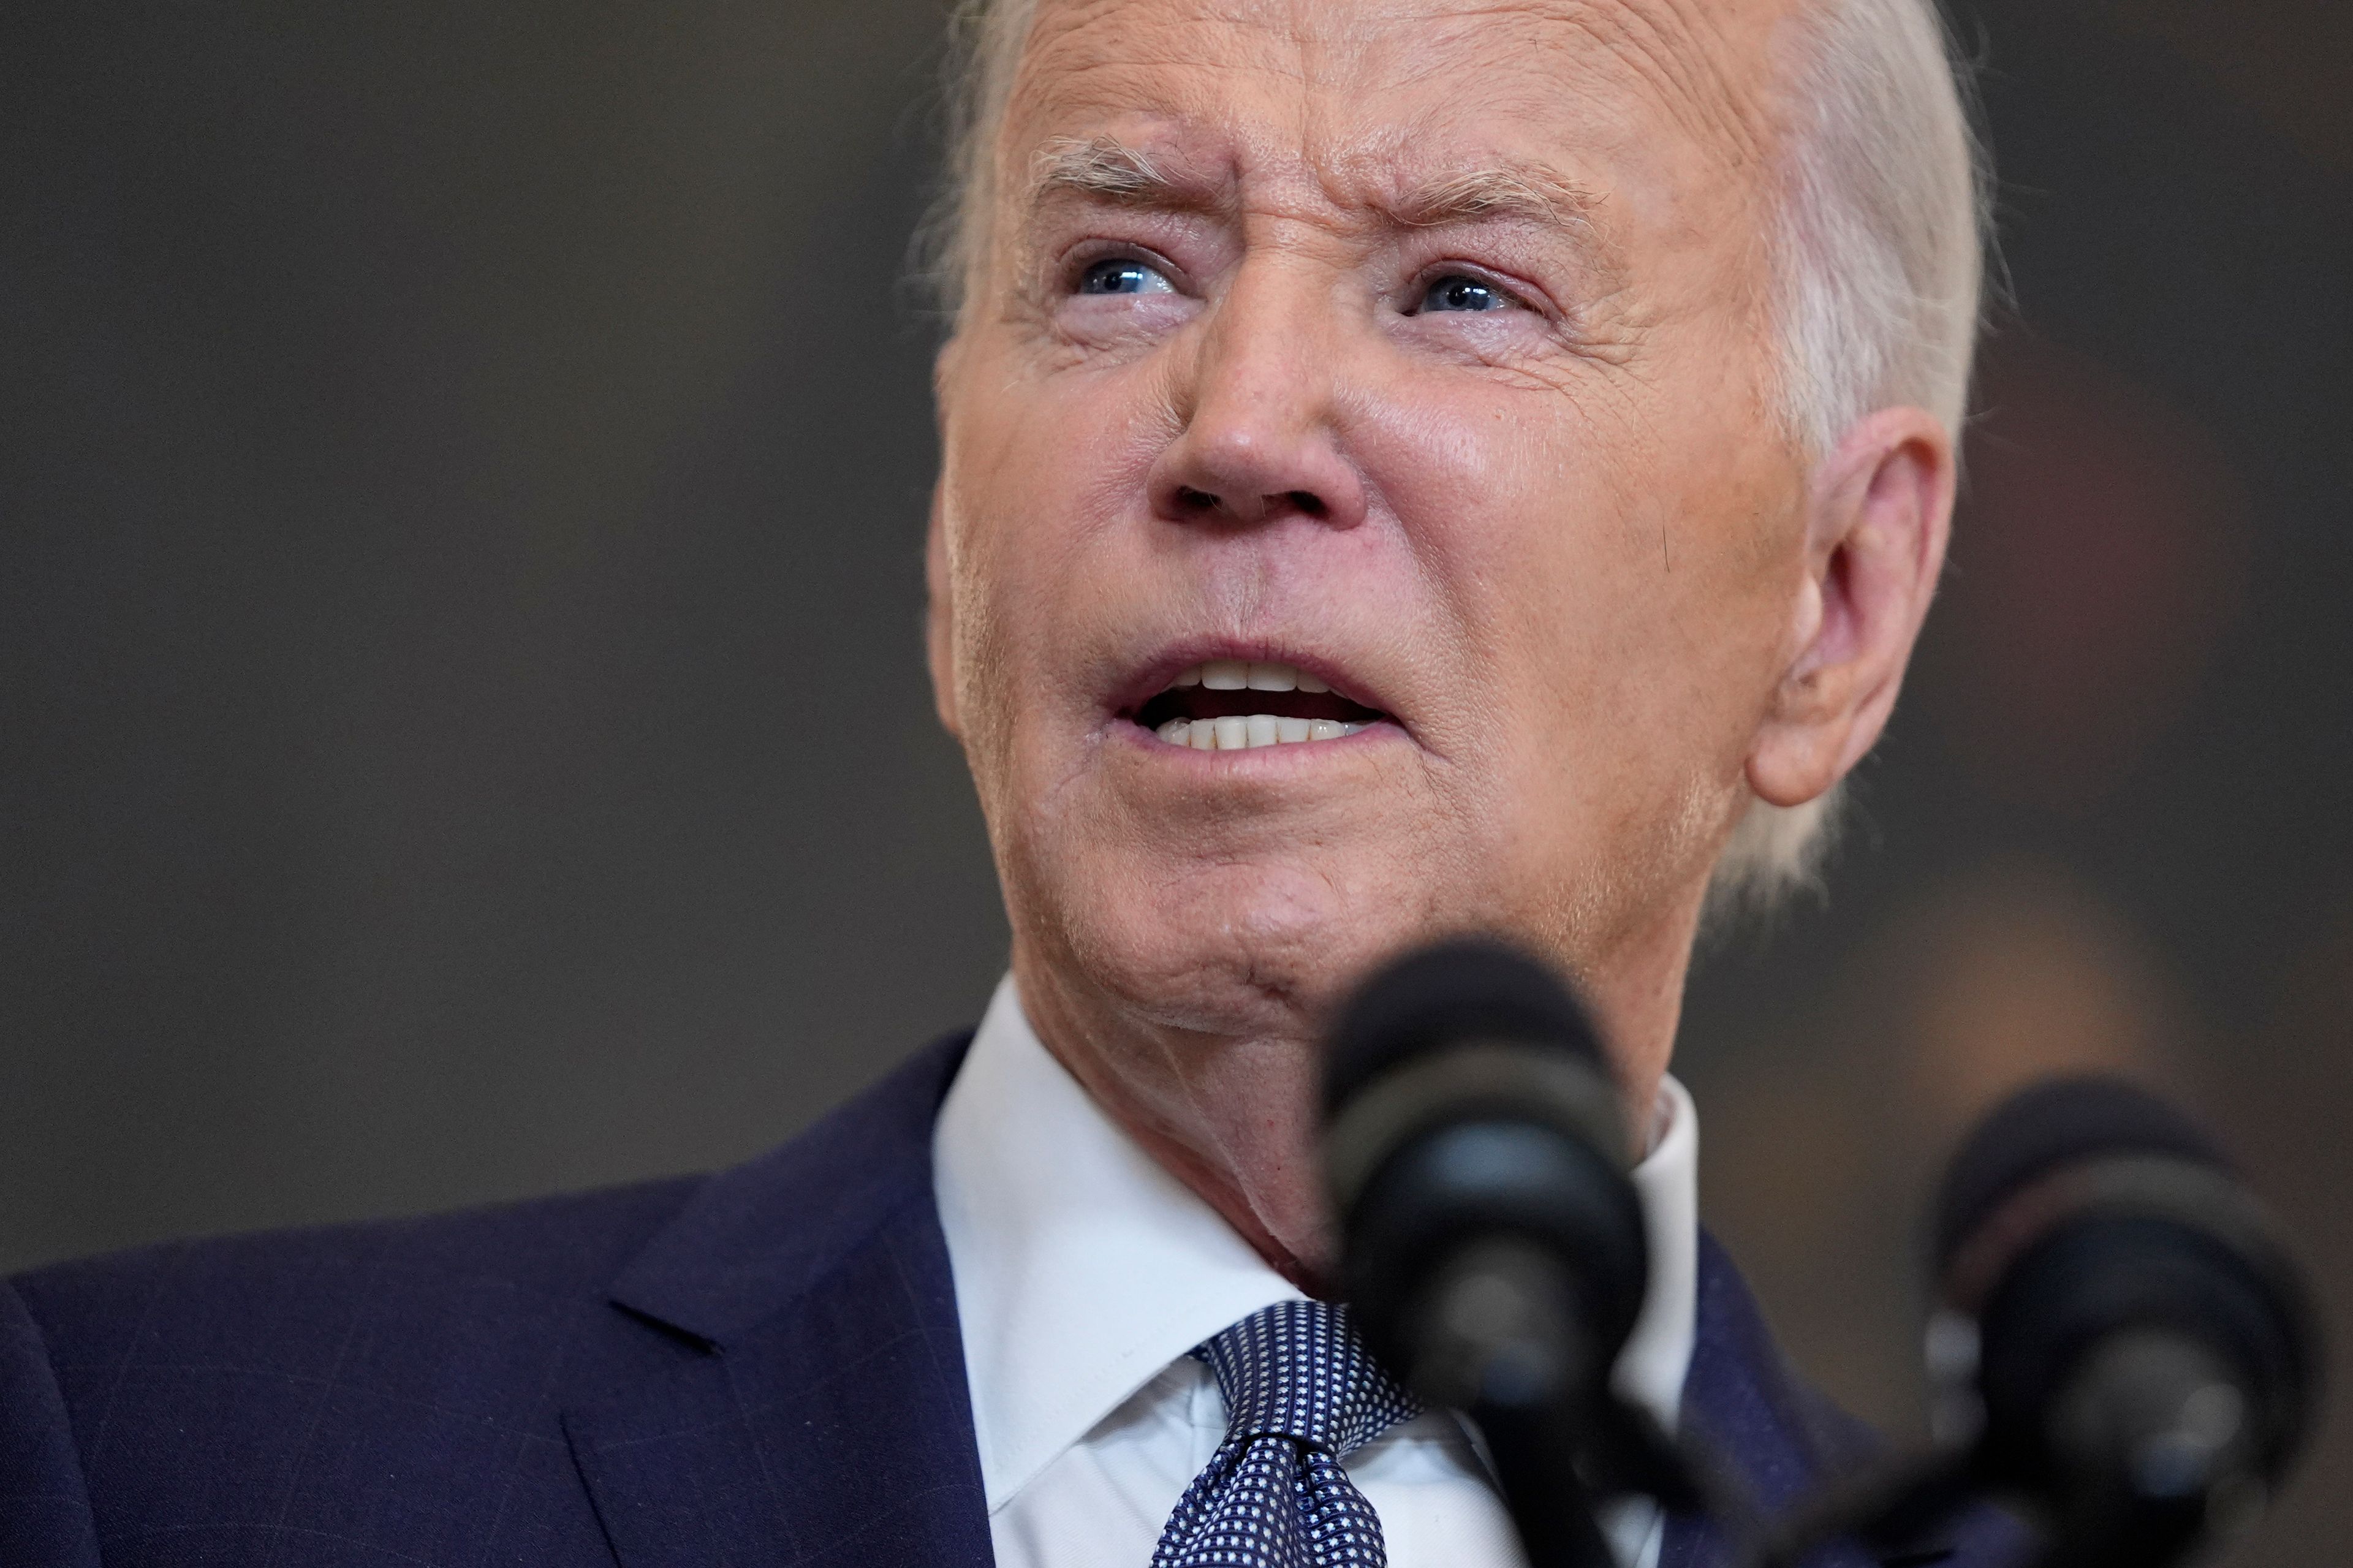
2123 1339
1494 1250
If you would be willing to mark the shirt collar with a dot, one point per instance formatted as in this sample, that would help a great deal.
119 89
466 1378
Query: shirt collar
1084 1268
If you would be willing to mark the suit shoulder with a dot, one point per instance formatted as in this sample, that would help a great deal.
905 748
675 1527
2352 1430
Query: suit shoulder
281 1288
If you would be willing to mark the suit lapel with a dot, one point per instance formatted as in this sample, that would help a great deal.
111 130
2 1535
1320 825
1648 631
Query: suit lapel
782 1381
1742 1401
781 1378
1784 1441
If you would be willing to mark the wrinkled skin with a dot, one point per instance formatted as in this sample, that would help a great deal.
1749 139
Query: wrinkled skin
1562 539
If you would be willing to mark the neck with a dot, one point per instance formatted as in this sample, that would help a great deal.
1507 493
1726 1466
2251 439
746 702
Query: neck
1234 1115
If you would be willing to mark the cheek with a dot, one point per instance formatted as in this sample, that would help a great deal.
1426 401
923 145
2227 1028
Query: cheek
1043 483
1535 521
1614 578
1034 473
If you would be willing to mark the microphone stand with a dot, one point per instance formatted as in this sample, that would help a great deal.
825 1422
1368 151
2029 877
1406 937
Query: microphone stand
1553 1466
1889 1508
1501 1340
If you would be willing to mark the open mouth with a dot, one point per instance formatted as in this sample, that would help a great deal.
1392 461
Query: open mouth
1240 705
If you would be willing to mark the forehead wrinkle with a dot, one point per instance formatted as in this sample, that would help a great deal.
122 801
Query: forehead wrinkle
1092 55
1699 63
1706 63
1147 80
1684 51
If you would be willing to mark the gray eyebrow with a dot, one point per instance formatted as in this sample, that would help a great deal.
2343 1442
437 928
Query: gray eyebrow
1529 191
1105 168
1109 170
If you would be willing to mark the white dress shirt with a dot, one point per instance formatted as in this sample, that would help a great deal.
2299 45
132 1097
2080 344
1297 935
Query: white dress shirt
1085 1272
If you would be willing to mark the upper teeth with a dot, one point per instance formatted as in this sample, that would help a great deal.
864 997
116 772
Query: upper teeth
1240 732
1250 675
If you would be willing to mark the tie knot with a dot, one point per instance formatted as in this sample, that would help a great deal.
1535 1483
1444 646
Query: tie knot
1298 1370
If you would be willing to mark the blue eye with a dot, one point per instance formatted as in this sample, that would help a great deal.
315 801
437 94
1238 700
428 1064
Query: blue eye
1122 275
1457 291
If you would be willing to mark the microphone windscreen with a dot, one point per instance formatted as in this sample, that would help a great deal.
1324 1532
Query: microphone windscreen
2139 1343
2056 1123
1471 988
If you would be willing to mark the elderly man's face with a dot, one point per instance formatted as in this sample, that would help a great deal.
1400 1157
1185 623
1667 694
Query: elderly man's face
1420 349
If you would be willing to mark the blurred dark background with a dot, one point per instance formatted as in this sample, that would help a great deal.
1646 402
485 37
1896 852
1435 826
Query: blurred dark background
462 730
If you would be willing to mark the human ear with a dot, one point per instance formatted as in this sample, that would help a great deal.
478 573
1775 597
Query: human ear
1879 512
939 612
939 596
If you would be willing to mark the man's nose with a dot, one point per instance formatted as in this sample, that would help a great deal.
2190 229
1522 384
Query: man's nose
1257 402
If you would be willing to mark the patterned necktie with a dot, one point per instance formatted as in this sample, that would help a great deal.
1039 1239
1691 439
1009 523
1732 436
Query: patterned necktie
1302 1394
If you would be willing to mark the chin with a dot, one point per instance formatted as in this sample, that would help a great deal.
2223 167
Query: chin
1250 949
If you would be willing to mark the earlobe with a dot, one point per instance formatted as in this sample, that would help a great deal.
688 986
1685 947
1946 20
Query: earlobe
1880 513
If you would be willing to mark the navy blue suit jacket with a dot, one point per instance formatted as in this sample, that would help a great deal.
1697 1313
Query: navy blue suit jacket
759 1367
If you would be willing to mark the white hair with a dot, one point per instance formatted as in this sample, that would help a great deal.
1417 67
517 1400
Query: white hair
1879 255
1884 223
